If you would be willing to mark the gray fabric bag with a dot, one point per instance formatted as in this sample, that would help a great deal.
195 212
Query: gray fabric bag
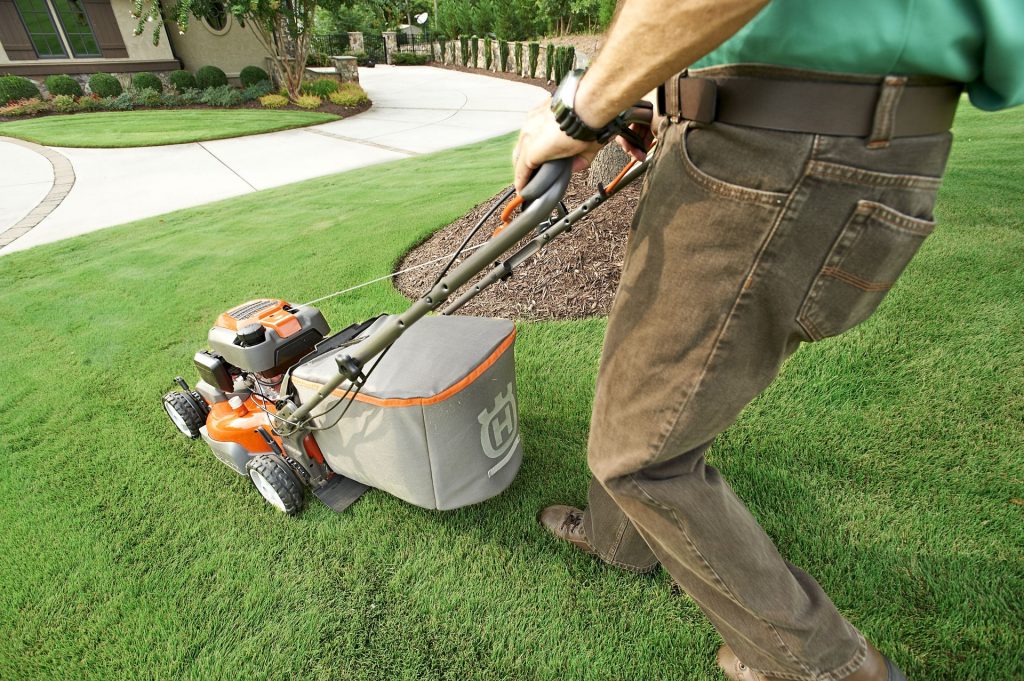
437 423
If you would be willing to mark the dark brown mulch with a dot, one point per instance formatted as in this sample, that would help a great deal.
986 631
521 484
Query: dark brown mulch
539 82
573 277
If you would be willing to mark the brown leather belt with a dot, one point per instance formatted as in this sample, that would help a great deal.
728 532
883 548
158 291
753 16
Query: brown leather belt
813 106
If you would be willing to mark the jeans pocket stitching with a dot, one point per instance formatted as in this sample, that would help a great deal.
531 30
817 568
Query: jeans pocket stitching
721 187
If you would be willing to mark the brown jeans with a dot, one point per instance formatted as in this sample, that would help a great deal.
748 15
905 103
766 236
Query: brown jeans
745 244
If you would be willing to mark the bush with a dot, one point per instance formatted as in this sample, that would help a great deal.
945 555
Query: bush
210 76
349 97
104 85
464 50
16 88
308 102
476 51
251 75
170 100
90 103
444 50
123 102
503 55
223 95
273 101
146 97
409 59
257 90
64 104
321 87
488 54
182 80
534 58
63 85
25 107
147 81
192 96
549 61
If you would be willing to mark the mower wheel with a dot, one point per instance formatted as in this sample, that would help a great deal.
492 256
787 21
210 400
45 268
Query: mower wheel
276 482
184 414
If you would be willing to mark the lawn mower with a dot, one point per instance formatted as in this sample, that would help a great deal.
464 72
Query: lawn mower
421 406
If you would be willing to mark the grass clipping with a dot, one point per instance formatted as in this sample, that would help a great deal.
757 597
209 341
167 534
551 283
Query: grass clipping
573 277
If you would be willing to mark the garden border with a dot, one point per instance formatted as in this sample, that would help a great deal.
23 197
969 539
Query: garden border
63 181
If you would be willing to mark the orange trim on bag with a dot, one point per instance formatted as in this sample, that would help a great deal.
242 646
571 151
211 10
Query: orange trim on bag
424 401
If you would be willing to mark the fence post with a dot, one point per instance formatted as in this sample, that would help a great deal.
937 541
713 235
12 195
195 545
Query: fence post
355 41
390 45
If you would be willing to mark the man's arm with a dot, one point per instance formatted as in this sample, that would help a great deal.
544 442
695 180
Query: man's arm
648 41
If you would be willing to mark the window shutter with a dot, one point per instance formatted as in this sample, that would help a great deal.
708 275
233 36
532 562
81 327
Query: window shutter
104 25
13 36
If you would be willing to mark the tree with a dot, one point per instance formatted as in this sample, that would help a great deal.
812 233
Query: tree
283 27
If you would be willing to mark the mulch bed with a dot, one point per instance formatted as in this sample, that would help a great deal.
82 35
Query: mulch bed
573 277
326 107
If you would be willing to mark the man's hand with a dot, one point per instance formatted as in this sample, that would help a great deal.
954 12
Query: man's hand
542 140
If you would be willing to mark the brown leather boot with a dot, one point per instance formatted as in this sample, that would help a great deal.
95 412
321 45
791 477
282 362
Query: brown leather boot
876 667
566 523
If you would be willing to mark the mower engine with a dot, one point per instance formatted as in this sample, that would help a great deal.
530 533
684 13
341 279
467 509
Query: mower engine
251 348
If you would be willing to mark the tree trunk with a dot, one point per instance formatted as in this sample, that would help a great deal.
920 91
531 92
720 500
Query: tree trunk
606 166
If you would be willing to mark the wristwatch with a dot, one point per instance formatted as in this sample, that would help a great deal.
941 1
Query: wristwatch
569 121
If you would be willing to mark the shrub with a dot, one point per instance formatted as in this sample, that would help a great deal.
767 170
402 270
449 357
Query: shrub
464 50
444 50
549 61
182 80
25 107
104 85
192 96
476 51
251 75
171 100
534 58
273 101
409 59
321 87
210 76
308 102
223 95
349 97
503 55
488 54
64 104
63 85
123 102
147 81
90 103
257 90
146 97
16 88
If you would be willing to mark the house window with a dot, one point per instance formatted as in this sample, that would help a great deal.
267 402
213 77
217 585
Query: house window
77 29
41 29
217 18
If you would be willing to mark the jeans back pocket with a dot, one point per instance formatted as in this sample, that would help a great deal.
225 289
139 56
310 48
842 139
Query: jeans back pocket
866 259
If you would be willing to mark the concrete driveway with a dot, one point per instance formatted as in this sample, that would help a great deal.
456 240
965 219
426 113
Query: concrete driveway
48 194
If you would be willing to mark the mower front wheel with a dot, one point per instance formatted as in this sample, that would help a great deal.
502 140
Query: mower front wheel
185 412
276 483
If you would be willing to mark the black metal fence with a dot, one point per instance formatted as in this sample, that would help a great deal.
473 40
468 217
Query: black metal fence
329 44
375 48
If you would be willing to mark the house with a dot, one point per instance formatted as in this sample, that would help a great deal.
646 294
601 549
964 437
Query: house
82 37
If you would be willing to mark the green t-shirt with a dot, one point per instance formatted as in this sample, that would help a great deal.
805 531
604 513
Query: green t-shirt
976 42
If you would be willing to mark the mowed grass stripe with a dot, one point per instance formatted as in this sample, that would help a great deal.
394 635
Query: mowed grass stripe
113 129
883 462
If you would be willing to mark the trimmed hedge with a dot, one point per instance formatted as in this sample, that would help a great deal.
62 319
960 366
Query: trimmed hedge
409 59
182 80
16 88
104 85
147 81
63 85
210 76
251 75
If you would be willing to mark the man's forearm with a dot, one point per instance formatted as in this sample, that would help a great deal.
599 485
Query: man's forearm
648 42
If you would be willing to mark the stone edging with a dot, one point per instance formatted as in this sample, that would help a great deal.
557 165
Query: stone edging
63 181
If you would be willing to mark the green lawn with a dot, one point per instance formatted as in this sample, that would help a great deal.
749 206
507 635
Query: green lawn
150 128
884 462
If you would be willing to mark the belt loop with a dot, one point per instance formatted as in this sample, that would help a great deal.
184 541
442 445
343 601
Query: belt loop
884 121
673 106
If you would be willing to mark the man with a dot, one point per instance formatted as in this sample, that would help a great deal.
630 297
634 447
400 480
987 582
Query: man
794 180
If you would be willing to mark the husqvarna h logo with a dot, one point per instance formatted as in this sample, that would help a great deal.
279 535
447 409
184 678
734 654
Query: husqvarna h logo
499 429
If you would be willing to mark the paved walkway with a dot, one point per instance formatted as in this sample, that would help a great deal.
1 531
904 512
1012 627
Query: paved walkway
48 194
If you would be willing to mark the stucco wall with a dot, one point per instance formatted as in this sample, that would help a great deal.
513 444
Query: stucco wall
139 47
233 50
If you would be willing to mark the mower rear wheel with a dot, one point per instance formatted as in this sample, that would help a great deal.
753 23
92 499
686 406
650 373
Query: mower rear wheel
276 483
183 413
